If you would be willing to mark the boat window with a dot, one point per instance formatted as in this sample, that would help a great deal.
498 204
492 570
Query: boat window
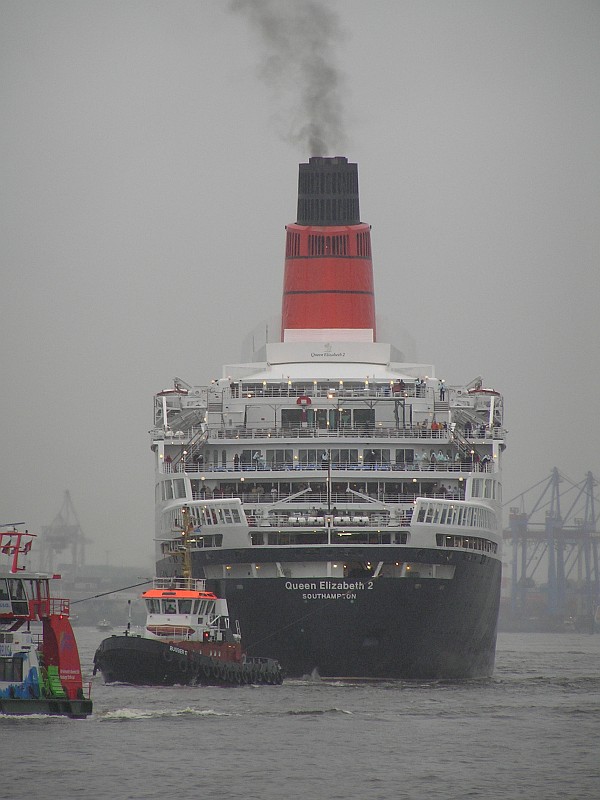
16 588
376 457
168 490
280 459
179 488
405 456
20 606
313 457
236 515
291 417
364 417
153 605
169 607
185 606
343 457
11 669
3 589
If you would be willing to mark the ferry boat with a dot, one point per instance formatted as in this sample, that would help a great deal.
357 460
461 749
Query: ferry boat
345 501
187 639
40 671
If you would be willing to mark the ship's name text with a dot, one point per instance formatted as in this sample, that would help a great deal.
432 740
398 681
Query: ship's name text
329 590
330 586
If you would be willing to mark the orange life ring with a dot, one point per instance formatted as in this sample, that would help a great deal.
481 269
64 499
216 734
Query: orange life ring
303 400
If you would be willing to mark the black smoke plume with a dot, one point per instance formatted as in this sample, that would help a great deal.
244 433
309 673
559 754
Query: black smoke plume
299 39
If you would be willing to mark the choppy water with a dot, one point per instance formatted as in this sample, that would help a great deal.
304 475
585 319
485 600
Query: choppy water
532 731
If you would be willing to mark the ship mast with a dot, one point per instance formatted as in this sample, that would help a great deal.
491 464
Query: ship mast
187 528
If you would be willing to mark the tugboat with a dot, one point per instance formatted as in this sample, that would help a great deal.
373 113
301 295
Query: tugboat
40 671
187 639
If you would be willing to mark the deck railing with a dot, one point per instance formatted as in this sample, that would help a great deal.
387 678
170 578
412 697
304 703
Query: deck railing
312 432
320 498
450 466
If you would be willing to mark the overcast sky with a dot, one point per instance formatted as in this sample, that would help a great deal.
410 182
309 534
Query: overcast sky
149 155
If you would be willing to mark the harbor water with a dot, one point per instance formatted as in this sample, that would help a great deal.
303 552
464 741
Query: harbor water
531 731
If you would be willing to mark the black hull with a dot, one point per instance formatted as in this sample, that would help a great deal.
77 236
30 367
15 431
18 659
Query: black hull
57 707
148 662
396 628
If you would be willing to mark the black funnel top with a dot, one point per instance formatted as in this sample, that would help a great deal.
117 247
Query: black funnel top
328 192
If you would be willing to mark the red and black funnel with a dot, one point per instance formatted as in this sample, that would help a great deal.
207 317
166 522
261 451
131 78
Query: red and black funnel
328 281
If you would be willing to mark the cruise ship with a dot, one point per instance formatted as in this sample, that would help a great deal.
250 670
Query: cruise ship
346 502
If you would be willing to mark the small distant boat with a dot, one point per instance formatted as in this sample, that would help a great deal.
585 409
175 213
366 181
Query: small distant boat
104 625
40 670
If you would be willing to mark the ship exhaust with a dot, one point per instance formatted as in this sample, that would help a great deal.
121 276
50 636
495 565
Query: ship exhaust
328 292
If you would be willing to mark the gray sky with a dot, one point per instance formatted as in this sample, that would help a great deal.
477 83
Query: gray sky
149 156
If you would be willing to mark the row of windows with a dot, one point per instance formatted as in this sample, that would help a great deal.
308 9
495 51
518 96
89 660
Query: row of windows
470 542
488 488
169 490
320 537
345 182
196 542
328 418
172 605
444 514
217 515
12 588
284 458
